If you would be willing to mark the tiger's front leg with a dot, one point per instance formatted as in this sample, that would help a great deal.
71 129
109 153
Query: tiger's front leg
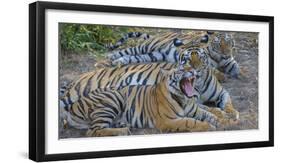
206 116
214 110
103 121
231 112
185 125
225 104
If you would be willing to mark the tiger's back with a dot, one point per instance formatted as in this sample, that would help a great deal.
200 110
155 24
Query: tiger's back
114 77
162 106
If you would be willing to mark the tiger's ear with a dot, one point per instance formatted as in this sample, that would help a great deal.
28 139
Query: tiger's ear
177 42
204 39
210 32
212 35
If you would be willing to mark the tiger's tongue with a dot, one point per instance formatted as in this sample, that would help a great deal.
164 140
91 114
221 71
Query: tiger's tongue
188 88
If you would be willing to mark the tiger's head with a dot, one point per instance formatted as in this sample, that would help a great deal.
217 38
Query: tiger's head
180 81
223 43
195 57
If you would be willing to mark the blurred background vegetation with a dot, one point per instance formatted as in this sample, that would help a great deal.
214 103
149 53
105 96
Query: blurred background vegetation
91 39
78 38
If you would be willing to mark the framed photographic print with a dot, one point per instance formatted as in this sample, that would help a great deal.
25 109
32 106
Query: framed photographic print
108 81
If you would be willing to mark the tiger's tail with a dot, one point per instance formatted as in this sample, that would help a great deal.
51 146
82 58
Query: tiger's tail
121 41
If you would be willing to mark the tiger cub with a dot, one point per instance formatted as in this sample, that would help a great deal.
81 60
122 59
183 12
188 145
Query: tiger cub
220 50
167 106
207 85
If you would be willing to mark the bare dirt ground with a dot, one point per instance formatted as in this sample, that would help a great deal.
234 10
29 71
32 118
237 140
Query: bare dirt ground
243 91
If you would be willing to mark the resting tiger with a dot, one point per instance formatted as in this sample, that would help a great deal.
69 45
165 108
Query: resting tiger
207 85
208 88
167 106
221 53
153 44
165 48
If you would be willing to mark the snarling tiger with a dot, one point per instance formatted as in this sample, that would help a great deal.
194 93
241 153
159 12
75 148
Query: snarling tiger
208 87
168 106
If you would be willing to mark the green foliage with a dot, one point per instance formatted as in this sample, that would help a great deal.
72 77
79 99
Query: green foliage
91 39
82 38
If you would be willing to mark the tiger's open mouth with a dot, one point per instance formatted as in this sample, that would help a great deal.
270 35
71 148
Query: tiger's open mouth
186 85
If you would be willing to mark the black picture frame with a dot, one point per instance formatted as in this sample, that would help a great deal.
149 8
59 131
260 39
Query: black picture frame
37 80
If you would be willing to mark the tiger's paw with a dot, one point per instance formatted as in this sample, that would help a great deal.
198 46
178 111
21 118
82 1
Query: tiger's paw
103 64
220 76
223 118
232 114
228 122
217 112
111 56
203 126
120 61
243 74
108 132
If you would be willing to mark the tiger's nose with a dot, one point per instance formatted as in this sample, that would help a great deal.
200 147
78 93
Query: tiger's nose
190 72
188 68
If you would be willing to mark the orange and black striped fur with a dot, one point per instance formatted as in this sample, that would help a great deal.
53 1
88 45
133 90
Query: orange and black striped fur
220 51
156 43
113 77
143 74
156 49
168 106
